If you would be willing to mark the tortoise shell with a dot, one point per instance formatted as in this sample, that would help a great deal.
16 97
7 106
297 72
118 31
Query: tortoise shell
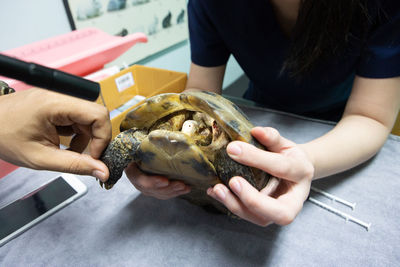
155 135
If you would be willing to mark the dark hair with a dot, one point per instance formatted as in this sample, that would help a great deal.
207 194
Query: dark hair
322 32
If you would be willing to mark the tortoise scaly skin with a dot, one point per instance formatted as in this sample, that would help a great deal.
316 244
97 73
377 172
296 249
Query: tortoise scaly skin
5 89
184 137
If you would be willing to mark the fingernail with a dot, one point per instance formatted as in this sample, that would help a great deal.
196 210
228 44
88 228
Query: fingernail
209 191
179 187
271 186
99 175
220 193
235 185
161 183
186 190
234 149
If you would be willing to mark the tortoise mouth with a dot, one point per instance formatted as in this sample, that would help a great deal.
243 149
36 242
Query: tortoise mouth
198 128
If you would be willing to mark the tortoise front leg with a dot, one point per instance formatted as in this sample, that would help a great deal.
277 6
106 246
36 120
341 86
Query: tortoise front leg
119 153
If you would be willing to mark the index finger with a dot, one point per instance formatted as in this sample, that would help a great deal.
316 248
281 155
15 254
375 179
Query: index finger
281 210
276 164
271 138
82 112
101 134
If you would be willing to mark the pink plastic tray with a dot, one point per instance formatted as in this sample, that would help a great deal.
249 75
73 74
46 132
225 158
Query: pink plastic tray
79 52
6 168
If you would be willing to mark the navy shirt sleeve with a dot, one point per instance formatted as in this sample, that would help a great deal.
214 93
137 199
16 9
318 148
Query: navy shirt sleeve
380 57
207 47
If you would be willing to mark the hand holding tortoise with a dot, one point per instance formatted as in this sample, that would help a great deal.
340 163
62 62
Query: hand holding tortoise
275 203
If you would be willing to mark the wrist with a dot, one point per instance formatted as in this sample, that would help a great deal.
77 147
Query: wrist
310 157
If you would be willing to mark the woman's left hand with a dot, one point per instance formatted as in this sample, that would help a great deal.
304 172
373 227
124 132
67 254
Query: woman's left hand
285 160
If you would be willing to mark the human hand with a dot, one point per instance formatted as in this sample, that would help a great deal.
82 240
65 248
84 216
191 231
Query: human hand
284 160
32 121
155 185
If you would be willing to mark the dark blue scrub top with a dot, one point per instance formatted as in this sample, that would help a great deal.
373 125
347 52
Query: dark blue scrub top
247 29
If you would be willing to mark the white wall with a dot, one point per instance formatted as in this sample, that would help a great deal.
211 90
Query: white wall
26 21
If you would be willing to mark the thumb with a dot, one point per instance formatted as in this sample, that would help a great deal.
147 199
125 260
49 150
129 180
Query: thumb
271 186
73 162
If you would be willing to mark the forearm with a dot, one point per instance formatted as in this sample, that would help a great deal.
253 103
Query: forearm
368 119
354 140
205 78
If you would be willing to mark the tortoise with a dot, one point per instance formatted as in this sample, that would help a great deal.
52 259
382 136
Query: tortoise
5 89
183 136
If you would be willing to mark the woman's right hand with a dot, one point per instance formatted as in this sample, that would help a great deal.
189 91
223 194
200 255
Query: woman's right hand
155 185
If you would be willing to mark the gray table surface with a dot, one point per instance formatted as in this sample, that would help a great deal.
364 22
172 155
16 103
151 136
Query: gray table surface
121 227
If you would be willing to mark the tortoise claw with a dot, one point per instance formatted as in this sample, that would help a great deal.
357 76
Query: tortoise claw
108 186
105 185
